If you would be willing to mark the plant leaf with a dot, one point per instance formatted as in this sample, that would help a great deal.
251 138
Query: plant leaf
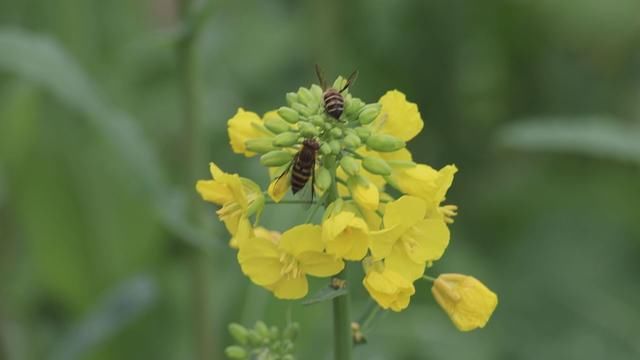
325 294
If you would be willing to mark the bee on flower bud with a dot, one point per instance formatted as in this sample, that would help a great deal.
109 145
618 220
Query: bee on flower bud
333 99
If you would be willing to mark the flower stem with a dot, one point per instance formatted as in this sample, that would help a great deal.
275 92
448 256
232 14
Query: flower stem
428 278
342 339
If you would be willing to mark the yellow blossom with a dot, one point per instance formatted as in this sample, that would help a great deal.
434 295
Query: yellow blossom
345 235
364 192
398 116
388 288
282 265
424 182
243 126
278 188
467 301
239 197
409 240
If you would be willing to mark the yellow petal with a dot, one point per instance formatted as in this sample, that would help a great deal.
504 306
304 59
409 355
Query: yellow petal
405 212
320 264
398 117
346 236
214 191
400 262
444 181
243 126
431 237
383 240
215 171
260 260
291 288
389 289
364 192
242 232
467 301
278 188
302 238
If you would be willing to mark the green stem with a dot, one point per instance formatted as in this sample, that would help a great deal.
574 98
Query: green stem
429 278
342 338
191 145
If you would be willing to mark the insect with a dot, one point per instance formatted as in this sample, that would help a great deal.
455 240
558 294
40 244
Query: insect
302 166
333 99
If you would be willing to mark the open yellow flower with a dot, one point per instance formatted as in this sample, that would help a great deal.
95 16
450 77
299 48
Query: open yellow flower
282 265
364 192
239 197
409 240
424 182
243 126
345 235
398 117
466 300
388 288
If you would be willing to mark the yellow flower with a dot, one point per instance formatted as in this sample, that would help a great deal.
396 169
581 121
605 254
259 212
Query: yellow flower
282 265
466 300
364 192
424 182
398 116
345 235
388 288
278 188
243 231
409 240
243 126
239 197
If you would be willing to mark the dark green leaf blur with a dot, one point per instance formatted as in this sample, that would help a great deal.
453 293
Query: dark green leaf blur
111 110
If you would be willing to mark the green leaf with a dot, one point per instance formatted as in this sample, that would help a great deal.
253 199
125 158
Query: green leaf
325 294
600 137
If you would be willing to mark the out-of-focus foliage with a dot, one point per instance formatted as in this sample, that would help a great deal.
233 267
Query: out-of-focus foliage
92 189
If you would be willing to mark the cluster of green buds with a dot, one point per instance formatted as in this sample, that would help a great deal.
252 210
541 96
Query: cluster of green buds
262 342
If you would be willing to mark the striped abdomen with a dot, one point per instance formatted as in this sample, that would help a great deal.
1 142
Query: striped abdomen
303 165
333 103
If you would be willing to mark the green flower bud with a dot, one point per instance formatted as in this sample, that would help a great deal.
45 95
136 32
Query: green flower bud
363 132
335 133
353 107
335 146
306 96
291 332
317 91
302 109
322 178
285 139
254 338
328 125
351 141
289 114
239 333
376 166
325 149
369 113
292 98
339 83
317 120
262 329
274 333
350 165
277 125
307 129
401 163
259 145
289 356
275 158
384 143
235 352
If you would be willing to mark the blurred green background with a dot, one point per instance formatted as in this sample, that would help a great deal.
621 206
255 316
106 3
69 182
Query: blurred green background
106 252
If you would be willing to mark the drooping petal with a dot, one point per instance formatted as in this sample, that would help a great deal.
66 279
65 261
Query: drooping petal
352 241
259 260
320 264
291 288
214 191
302 238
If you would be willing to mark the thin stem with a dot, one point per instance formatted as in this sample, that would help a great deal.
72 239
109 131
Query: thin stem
191 143
366 324
271 202
342 338
428 278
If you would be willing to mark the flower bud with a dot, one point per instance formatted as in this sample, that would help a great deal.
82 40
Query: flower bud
285 139
335 146
235 352
376 166
336 133
274 333
349 165
317 120
325 149
306 97
353 107
291 332
363 132
369 113
322 179
351 141
292 98
302 109
275 158
262 329
290 115
317 91
276 125
307 129
254 338
259 145
339 82
239 333
384 143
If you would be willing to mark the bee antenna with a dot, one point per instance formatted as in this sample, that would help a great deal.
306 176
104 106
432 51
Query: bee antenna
320 77
350 81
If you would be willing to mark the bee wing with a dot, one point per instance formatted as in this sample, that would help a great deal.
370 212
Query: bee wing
350 81
320 76
309 190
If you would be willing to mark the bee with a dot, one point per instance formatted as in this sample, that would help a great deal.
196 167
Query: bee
333 99
302 167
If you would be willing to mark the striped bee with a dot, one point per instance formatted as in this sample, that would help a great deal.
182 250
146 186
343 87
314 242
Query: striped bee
333 100
302 166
